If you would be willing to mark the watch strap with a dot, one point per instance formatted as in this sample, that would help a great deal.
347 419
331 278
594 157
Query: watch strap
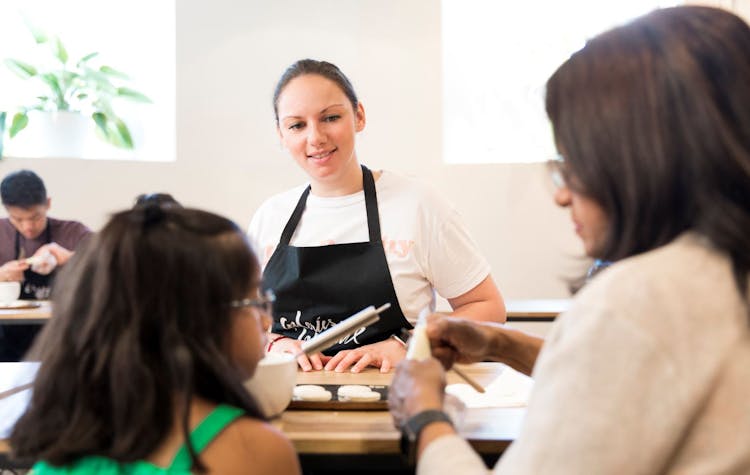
413 427
403 336
400 340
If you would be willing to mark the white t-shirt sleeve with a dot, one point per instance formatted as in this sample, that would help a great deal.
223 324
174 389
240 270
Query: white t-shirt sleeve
253 232
261 236
454 264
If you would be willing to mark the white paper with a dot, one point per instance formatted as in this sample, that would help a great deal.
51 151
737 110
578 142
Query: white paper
510 389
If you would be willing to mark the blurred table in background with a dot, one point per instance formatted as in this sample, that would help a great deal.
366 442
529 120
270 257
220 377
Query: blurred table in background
535 309
534 315
518 310
23 316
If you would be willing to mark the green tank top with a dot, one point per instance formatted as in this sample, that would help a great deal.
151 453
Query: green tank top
201 436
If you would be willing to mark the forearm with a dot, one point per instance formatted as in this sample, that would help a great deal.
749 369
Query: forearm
430 433
482 311
273 339
447 453
483 303
515 348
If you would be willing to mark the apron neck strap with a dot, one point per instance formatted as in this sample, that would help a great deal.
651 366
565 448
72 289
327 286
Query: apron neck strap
371 205
291 225
47 239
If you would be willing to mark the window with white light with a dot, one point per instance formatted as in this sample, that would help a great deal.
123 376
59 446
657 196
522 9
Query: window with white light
497 57
136 37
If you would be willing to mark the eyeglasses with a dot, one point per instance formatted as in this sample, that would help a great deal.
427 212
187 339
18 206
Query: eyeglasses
264 303
558 172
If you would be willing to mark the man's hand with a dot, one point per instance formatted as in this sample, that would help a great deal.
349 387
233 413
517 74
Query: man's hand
60 253
12 271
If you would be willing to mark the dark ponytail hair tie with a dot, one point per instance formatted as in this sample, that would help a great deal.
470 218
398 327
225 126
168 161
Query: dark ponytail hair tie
153 214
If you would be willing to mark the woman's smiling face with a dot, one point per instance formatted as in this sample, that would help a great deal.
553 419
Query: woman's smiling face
318 125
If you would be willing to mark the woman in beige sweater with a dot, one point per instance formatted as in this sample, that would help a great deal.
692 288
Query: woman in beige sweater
649 370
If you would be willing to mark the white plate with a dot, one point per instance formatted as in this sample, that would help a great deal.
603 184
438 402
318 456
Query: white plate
19 304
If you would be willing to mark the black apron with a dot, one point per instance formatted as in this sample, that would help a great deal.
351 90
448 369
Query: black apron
35 286
317 287
15 340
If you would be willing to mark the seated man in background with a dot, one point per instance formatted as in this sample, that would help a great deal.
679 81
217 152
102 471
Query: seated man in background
32 246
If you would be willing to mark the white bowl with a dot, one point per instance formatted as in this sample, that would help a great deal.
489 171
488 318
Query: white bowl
273 383
9 292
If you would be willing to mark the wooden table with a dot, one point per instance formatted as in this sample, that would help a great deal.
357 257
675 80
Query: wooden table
351 440
322 437
518 310
535 309
370 432
38 315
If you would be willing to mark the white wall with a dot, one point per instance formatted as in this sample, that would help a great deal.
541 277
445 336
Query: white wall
229 56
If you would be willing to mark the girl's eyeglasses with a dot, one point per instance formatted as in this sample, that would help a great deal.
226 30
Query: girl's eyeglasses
558 172
264 303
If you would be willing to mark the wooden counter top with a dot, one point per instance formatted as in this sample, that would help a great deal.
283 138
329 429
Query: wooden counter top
489 430
38 315
334 433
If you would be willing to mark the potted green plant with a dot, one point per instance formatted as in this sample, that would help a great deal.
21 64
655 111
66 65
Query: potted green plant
78 87
2 132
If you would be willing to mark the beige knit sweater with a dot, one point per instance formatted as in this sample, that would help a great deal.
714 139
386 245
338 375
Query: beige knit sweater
647 373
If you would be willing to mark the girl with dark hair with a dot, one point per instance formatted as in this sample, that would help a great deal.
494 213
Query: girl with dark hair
157 323
355 237
649 370
162 199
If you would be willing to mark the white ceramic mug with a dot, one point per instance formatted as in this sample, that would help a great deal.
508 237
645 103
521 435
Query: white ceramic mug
9 292
273 383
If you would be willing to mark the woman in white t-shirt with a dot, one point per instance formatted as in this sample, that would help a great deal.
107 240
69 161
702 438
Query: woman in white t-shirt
354 238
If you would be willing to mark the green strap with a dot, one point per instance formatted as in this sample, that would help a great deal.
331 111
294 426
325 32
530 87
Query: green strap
206 431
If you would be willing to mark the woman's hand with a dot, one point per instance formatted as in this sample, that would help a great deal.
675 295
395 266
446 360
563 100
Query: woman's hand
294 346
383 354
416 386
457 340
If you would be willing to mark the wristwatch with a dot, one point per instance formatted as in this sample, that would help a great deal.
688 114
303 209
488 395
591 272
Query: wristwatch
413 427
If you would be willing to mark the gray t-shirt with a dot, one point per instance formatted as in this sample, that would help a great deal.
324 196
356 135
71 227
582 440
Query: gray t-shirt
15 340
68 234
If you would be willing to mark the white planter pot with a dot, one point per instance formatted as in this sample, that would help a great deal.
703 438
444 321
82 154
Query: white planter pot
58 134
